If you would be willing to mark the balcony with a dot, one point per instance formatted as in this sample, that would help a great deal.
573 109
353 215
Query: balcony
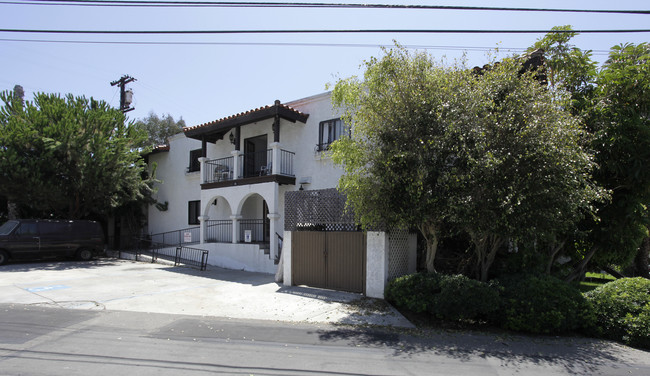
271 165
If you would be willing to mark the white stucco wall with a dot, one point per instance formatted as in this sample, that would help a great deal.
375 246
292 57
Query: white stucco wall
177 186
248 257
310 163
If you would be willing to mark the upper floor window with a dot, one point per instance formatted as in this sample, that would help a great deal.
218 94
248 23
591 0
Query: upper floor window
330 131
194 160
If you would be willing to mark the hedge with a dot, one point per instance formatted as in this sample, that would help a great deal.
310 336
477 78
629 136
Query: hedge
622 310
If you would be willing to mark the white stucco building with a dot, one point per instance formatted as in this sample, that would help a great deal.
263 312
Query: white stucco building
223 183
229 177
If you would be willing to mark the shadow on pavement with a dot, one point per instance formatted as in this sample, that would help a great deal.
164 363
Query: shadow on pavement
328 296
55 264
576 355
225 275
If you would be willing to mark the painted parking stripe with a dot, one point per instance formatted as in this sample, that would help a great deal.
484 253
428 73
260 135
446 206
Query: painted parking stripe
47 288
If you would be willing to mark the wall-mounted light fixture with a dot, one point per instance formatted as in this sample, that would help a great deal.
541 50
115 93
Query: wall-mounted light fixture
214 202
232 138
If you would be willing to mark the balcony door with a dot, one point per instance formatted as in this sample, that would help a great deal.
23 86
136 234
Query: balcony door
255 155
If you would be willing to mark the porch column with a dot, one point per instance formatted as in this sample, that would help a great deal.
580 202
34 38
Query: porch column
202 170
275 157
203 220
235 228
235 164
273 219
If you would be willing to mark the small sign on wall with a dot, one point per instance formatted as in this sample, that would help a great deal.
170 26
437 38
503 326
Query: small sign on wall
187 237
248 236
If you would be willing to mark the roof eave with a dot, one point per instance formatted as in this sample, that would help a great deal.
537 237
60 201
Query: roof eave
216 130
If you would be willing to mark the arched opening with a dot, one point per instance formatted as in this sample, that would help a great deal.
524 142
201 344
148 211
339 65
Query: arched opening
254 223
218 228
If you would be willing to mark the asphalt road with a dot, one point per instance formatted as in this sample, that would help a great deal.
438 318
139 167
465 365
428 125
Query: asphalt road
37 340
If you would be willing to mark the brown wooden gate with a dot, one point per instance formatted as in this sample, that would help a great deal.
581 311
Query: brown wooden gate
329 259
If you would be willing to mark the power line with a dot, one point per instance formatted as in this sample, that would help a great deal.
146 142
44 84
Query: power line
327 31
282 44
277 44
258 4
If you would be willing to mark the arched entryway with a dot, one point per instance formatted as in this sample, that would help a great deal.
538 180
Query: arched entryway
218 226
254 223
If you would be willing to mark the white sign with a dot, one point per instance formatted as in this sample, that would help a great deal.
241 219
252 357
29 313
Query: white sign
248 235
187 237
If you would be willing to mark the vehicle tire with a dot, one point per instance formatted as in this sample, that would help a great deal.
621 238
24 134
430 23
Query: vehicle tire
4 257
84 254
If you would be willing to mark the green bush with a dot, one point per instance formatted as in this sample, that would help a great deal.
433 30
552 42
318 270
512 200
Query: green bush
446 297
543 304
622 309
413 292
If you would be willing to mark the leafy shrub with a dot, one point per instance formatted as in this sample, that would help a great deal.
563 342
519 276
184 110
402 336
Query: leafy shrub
543 304
461 298
622 309
414 291
447 297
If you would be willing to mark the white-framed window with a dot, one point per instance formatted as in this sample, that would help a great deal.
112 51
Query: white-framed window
330 131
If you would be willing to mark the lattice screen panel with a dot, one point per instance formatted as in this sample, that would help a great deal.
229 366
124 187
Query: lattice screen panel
398 253
317 210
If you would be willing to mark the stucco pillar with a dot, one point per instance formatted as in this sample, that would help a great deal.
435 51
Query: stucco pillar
286 255
377 248
275 152
235 228
235 164
202 173
203 223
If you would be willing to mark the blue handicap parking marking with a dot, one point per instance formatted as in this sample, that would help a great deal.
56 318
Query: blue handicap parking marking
47 288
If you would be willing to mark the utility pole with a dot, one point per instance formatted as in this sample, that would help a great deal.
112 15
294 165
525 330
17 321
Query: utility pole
126 96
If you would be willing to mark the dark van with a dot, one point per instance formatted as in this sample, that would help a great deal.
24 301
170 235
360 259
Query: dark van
22 239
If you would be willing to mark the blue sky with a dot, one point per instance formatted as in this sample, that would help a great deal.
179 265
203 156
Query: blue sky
204 82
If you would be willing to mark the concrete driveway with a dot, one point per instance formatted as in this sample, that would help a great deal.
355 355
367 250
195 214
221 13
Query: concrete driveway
110 284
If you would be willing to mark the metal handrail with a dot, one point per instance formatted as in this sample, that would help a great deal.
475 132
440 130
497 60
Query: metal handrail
286 162
177 237
219 230
256 226
221 169
258 163
178 254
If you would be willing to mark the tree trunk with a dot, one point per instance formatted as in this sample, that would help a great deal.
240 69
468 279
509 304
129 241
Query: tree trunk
491 247
579 270
554 250
430 233
642 259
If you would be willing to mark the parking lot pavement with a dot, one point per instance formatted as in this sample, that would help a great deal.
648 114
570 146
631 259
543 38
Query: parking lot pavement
109 284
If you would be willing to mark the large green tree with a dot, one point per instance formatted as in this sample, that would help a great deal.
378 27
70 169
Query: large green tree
494 155
159 129
614 102
68 157
621 125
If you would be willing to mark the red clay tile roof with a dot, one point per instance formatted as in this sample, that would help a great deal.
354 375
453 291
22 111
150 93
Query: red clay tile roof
224 124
